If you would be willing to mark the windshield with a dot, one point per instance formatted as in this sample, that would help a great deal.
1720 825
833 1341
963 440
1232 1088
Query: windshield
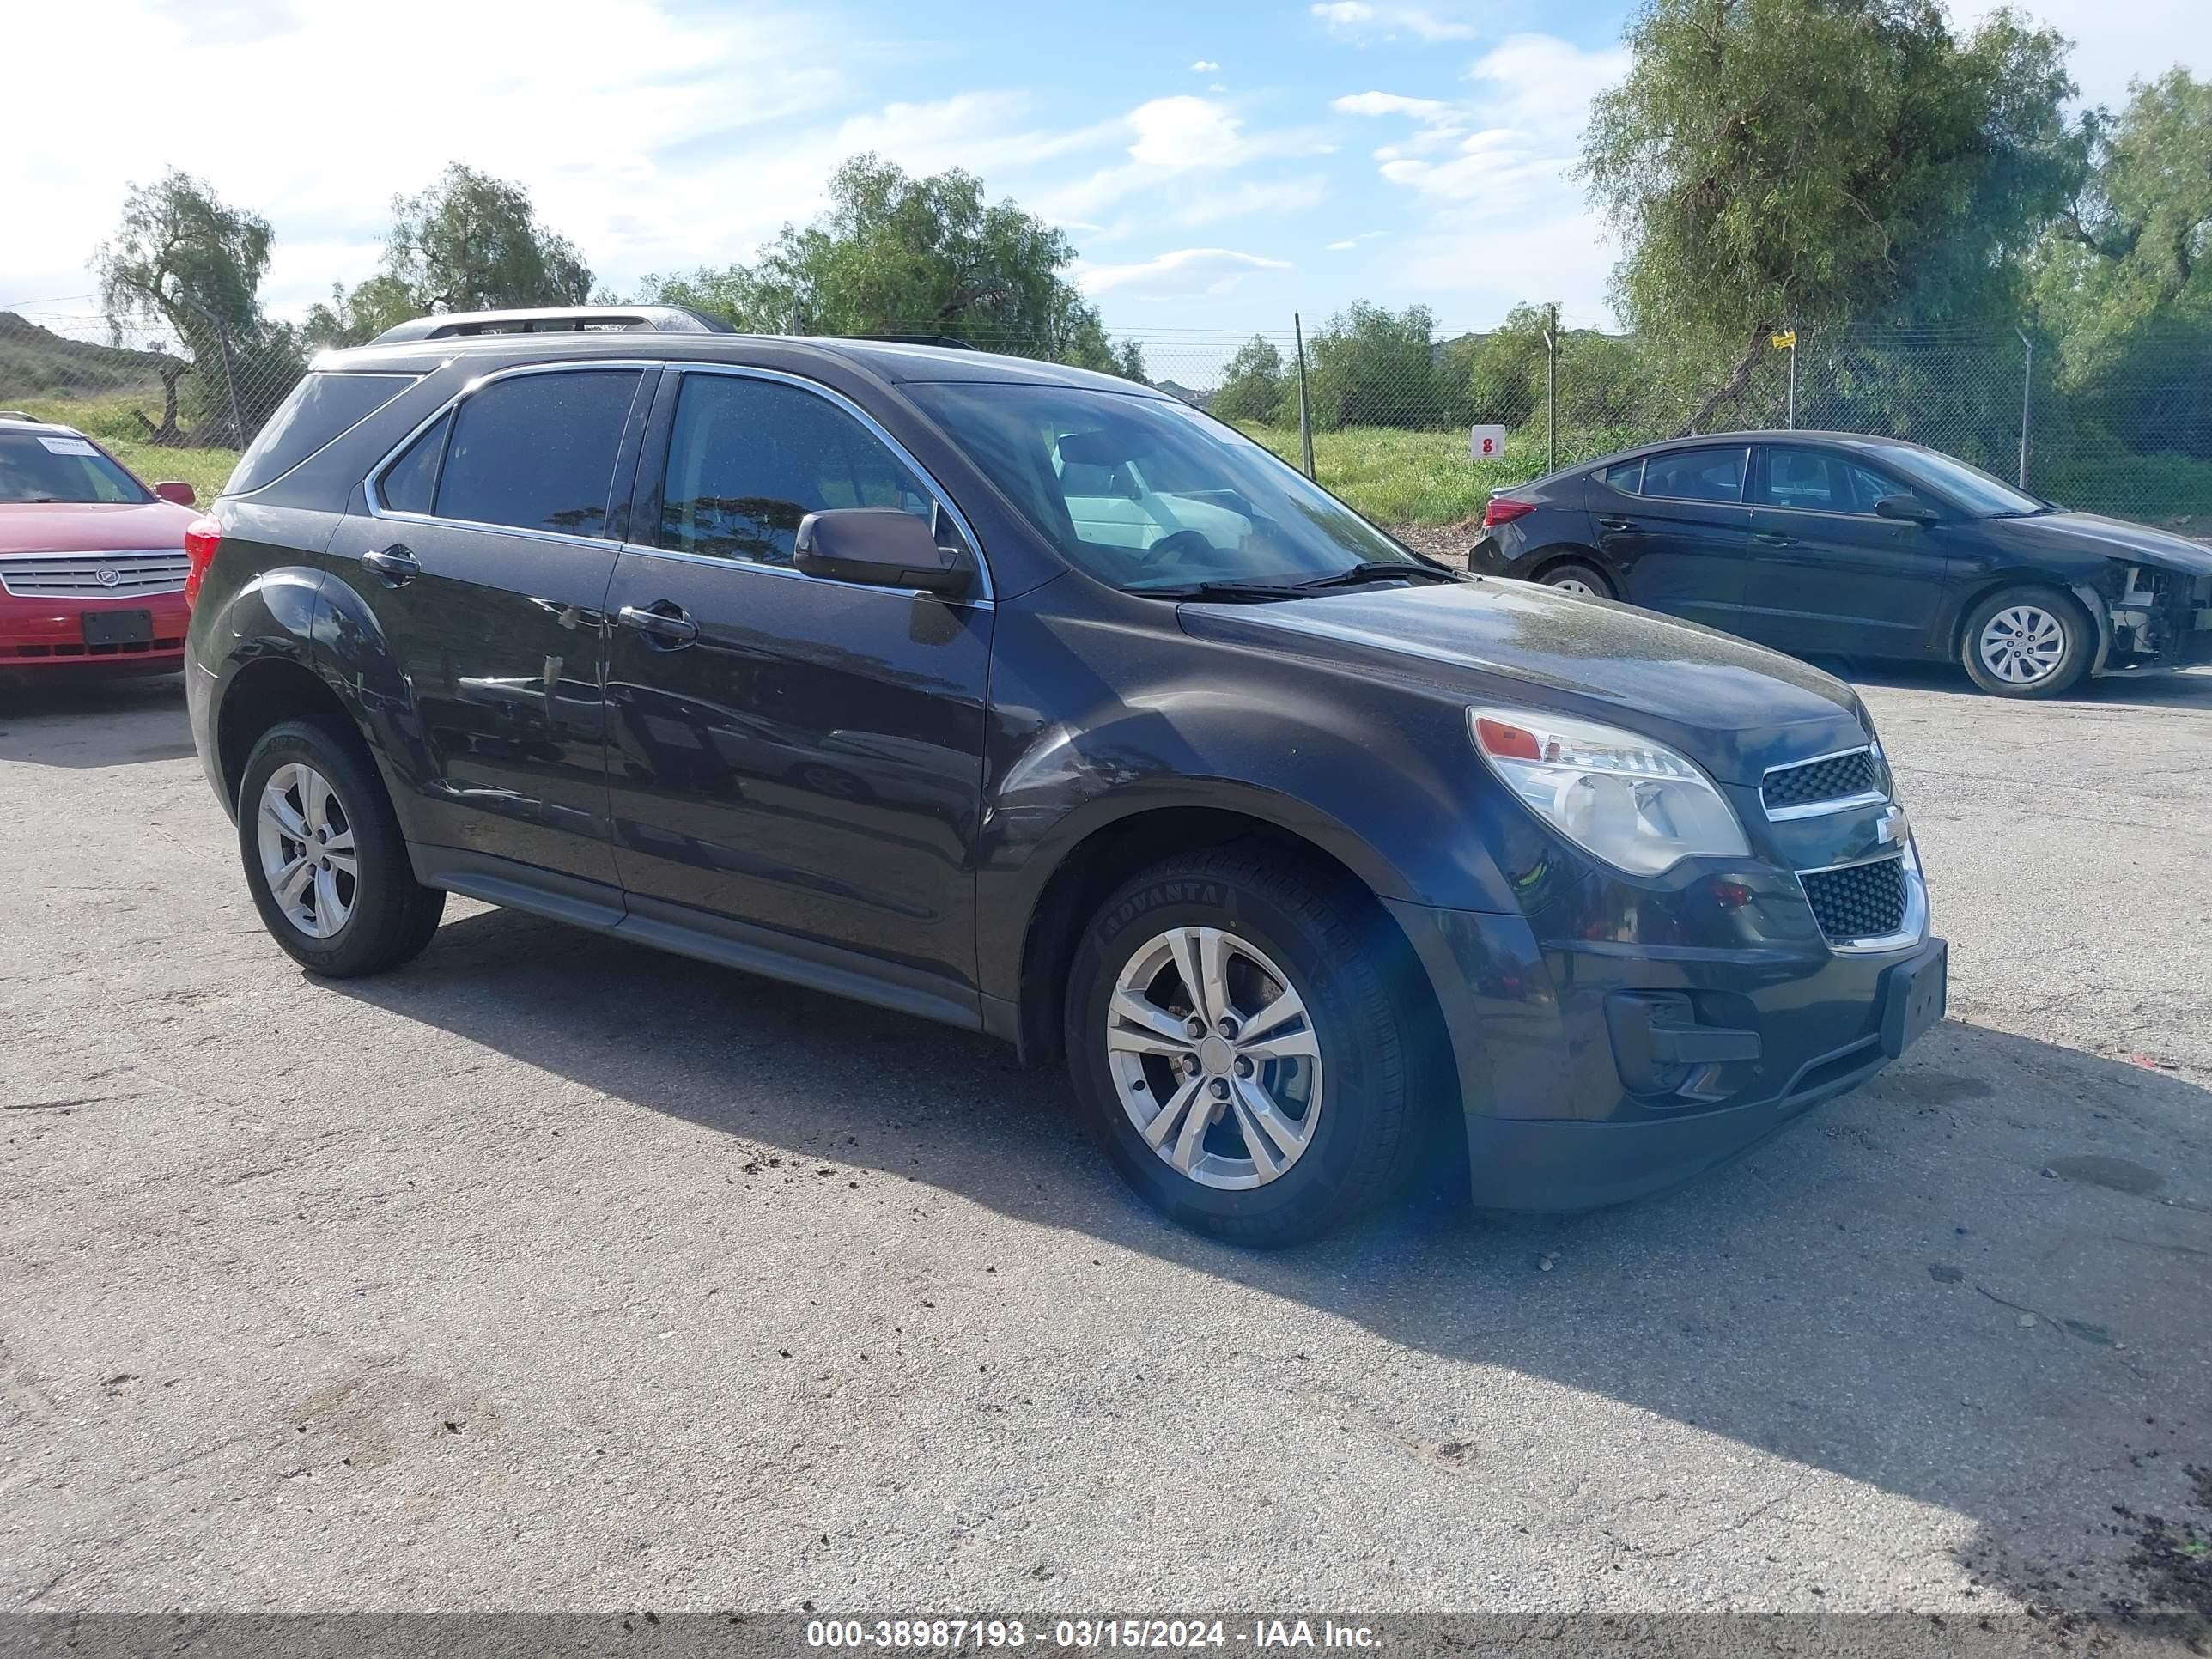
1982 494
1148 494
44 467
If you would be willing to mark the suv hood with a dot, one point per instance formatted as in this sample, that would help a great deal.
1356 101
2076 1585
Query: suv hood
2115 538
91 526
1734 708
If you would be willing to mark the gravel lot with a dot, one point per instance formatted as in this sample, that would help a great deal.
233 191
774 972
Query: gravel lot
551 1273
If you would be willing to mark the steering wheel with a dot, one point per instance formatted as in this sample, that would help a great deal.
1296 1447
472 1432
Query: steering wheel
1170 549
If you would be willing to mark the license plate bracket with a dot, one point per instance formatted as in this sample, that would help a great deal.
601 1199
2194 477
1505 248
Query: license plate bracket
1914 997
119 627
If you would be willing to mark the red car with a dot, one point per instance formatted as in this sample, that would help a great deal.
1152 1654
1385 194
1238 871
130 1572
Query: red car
93 563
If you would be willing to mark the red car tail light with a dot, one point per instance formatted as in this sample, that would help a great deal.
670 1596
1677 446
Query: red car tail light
202 538
1503 509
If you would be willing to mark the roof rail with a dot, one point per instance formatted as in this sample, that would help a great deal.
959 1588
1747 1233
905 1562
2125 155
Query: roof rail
18 415
557 319
917 339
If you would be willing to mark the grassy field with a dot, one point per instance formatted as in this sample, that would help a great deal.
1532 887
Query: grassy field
107 417
1399 477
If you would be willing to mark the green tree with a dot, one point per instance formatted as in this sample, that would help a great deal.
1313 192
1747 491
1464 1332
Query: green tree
1505 369
1773 163
359 313
186 263
1374 367
471 242
897 255
1253 386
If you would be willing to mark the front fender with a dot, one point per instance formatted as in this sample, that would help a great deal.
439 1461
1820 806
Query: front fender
1398 803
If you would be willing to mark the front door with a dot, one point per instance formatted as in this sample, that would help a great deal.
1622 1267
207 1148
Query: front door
487 564
800 755
1679 541
1830 575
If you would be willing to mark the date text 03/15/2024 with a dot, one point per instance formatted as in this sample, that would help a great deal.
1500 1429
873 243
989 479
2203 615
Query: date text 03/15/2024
1083 1634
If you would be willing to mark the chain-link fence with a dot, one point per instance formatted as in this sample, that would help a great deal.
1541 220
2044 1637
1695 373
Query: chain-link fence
1374 404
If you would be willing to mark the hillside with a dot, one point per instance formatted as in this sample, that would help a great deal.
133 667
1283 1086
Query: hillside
36 362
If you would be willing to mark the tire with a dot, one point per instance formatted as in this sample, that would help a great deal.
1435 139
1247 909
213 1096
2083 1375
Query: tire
383 915
1573 576
1347 1111
2036 632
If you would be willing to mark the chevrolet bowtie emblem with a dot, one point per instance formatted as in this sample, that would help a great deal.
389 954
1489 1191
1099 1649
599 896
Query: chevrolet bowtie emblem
1893 828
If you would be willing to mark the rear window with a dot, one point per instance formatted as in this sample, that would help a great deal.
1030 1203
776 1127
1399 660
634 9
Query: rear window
321 406
536 452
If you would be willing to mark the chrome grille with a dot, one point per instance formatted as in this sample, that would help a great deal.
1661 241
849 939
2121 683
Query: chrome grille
1849 776
1858 901
121 575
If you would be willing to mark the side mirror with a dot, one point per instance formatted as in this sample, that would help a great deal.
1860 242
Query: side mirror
1910 509
882 547
182 494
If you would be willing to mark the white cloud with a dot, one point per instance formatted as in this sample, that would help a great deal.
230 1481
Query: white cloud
1206 66
1361 21
2117 40
1183 132
1280 196
1351 242
1492 171
1186 271
1175 144
1391 103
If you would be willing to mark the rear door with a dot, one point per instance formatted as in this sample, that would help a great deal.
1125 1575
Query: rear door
1677 531
1827 575
486 559
801 754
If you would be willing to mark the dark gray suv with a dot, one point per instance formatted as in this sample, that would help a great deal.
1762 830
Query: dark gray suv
1040 703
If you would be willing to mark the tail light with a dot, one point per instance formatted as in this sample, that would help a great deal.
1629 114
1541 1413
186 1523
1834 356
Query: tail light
202 538
1503 509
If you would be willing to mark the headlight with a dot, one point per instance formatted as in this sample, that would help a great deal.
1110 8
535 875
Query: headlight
1634 803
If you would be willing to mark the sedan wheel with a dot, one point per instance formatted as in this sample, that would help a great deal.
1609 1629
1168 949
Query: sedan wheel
307 850
2022 645
1215 1058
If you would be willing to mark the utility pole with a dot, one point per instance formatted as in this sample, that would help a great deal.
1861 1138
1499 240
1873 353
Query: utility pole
1551 388
1306 420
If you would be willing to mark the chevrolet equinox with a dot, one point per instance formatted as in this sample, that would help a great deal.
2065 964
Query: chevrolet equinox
1040 703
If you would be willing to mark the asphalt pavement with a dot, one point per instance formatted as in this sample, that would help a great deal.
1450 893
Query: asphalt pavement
551 1273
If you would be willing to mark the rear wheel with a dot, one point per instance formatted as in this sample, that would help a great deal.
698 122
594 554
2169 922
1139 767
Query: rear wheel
1572 576
324 859
2026 642
1236 1049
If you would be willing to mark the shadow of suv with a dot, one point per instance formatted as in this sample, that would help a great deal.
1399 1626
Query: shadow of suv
1036 701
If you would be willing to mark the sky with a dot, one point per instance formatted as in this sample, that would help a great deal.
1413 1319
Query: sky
1219 164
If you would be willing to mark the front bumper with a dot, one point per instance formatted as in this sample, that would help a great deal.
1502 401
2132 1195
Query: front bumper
38 634
1552 1121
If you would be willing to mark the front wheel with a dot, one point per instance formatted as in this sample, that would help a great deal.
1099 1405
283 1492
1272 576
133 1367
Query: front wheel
1236 1048
2026 642
324 859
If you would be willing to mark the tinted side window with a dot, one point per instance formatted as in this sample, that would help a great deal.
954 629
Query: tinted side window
538 451
409 485
749 458
1811 480
1625 476
320 407
1870 487
1695 475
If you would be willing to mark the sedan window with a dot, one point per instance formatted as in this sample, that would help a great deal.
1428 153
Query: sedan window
1627 477
1695 475
1809 480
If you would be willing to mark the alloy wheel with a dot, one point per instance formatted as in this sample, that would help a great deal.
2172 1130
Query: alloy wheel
2022 644
1215 1058
1573 585
307 852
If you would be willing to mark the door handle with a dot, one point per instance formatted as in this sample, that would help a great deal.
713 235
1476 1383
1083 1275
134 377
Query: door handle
395 564
663 625
1618 524
1775 539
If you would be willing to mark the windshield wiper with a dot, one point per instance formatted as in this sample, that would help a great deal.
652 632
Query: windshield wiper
1224 590
1382 570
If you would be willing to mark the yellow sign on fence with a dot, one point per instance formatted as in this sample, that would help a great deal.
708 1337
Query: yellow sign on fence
1785 341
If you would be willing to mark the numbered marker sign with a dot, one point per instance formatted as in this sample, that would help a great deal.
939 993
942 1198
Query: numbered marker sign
1486 443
